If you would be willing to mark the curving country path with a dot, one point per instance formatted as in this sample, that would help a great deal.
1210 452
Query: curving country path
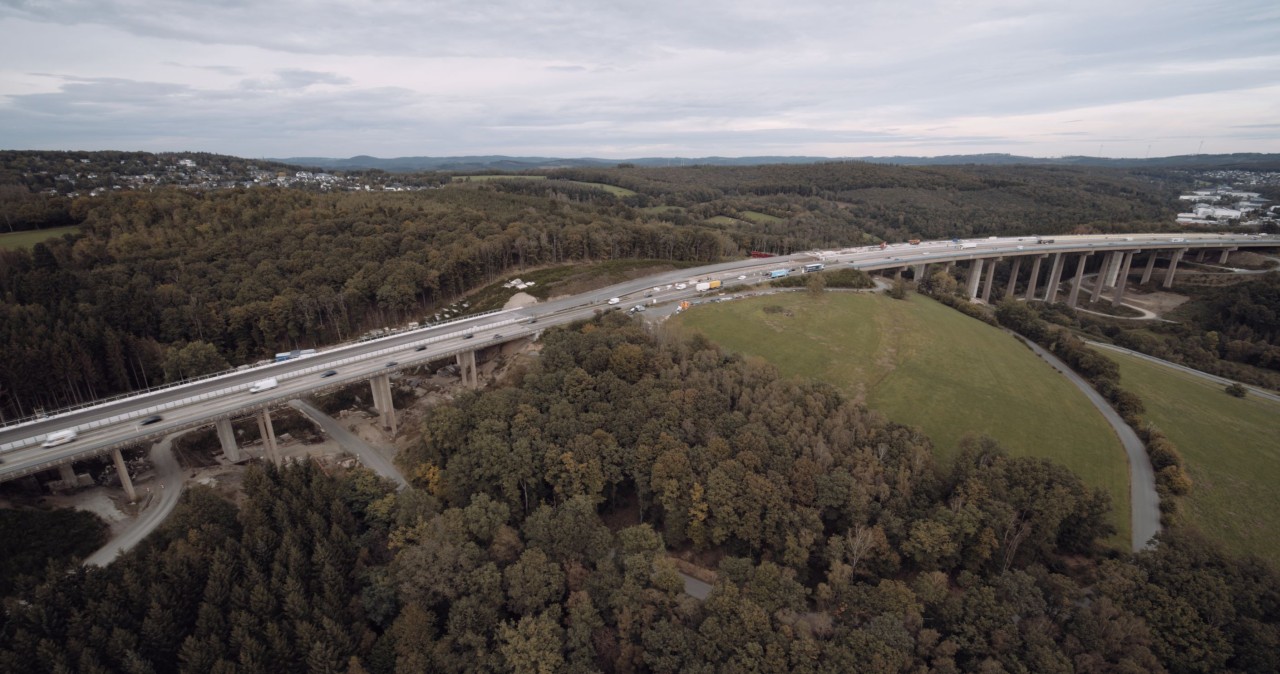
164 498
1260 392
1143 500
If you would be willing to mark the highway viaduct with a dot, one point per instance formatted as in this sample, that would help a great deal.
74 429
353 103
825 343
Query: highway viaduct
106 427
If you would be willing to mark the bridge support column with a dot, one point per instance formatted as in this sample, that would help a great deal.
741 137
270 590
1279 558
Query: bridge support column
1035 278
1077 280
1013 277
123 471
227 437
467 369
1101 279
1151 265
1226 252
1173 266
1118 299
919 272
268 433
986 284
1055 277
381 385
68 473
897 274
1200 254
1113 269
975 275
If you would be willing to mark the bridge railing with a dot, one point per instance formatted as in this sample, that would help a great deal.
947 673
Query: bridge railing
224 373
327 365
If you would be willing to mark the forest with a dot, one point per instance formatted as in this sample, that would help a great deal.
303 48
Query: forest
171 282
542 531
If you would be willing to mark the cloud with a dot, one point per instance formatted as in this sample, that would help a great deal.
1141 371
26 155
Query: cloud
572 77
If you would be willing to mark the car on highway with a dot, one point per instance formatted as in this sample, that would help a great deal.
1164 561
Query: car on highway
153 419
533 320
468 336
742 277
60 438
497 336
614 300
681 286
328 373
391 364
422 347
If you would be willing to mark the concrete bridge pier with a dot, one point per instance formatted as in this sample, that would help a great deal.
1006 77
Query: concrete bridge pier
986 284
975 275
1055 277
1200 254
1035 277
919 272
1226 252
382 402
67 472
1118 299
1013 277
1077 280
1151 265
123 471
1113 268
897 274
268 433
1173 267
1101 280
467 369
227 437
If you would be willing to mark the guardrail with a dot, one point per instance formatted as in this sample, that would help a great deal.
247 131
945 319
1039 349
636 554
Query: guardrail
327 365
225 373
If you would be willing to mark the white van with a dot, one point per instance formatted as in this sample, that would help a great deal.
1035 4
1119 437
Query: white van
614 300
60 438
264 385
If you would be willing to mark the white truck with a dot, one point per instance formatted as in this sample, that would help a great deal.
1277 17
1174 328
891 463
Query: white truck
968 245
264 385
614 300
60 438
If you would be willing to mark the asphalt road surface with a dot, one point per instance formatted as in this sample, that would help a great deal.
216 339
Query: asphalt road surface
369 456
1144 502
165 491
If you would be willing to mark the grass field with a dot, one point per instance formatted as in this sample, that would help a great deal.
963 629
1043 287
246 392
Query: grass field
723 220
17 240
921 363
760 218
1231 447
611 189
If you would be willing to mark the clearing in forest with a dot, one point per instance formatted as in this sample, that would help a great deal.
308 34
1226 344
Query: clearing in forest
1231 447
921 363
29 238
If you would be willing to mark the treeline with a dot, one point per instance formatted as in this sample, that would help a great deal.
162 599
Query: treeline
1042 325
242 274
1221 329
538 538
897 203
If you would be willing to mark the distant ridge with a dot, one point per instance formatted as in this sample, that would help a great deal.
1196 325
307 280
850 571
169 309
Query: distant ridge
1242 161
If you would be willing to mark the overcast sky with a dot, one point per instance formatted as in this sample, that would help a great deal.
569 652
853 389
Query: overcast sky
632 78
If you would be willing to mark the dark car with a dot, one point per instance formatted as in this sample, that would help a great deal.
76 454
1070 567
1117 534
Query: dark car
329 373
154 418
533 320
497 336
421 348
392 364
468 336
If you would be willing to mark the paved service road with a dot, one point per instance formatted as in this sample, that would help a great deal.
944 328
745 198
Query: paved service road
1260 392
368 455
1144 502
165 491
